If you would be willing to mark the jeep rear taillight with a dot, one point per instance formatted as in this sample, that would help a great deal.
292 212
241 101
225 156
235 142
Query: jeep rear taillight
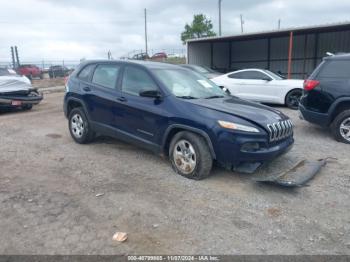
310 84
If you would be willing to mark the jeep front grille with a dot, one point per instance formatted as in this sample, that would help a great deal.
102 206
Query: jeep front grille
280 130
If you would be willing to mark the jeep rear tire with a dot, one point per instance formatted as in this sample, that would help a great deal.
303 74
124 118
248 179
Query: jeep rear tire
341 127
79 126
190 156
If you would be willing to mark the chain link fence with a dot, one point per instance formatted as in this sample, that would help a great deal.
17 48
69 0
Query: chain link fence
44 64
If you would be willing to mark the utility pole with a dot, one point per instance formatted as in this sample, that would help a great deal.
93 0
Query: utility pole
242 22
13 58
17 58
279 24
146 31
109 55
220 17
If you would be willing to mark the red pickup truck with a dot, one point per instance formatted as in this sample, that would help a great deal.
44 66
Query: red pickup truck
30 71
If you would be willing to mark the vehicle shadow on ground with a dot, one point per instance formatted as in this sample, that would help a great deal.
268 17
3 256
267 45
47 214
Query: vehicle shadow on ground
314 129
234 178
10 110
219 175
119 144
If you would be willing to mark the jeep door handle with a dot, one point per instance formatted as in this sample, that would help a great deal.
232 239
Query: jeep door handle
86 89
122 99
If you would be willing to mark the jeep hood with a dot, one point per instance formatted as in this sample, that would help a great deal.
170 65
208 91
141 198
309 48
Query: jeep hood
250 111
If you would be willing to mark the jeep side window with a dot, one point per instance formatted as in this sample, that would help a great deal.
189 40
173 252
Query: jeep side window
106 75
136 80
86 72
335 69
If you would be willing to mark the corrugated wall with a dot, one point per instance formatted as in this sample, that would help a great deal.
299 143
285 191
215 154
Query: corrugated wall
199 54
220 55
249 53
255 53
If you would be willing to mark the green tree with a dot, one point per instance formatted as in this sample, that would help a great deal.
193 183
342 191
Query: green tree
201 26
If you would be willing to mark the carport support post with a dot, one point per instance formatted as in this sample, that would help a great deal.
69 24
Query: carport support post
229 56
269 53
316 49
290 53
211 55
305 54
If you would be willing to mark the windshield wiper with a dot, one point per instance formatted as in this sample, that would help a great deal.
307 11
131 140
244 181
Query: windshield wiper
187 97
212 97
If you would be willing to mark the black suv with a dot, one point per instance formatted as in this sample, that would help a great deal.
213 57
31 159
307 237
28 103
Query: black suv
326 98
58 71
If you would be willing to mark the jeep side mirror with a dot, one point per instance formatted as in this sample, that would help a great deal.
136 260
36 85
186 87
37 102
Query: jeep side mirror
151 93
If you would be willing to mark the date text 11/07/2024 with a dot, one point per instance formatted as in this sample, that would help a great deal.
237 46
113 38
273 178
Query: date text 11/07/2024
173 258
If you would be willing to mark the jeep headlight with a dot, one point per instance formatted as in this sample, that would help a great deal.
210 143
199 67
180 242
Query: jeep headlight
240 127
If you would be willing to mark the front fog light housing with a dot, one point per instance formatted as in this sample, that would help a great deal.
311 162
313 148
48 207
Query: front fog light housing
234 126
250 147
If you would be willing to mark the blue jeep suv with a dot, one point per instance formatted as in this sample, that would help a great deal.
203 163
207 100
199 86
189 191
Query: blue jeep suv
174 112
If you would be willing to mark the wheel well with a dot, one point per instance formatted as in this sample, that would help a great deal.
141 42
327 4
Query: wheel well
176 130
73 104
342 106
285 98
170 136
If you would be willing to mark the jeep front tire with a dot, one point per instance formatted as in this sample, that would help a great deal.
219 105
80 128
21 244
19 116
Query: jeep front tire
190 156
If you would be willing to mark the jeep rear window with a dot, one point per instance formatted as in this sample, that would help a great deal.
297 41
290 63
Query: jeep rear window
106 75
335 69
86 72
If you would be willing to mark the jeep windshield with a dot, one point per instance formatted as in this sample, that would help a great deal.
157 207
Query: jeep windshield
188 85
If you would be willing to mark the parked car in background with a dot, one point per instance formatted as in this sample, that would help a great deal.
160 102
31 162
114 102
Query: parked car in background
16 91
206 71
58 71
174 112
140 56
30 71
326 98
175 55
262 86
161 55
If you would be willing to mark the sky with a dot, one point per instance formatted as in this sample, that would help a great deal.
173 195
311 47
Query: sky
76 29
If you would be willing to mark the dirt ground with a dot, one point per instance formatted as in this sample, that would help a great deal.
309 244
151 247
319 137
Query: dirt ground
47 82
48 203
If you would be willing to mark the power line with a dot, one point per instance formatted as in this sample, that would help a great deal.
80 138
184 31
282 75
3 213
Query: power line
64 23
